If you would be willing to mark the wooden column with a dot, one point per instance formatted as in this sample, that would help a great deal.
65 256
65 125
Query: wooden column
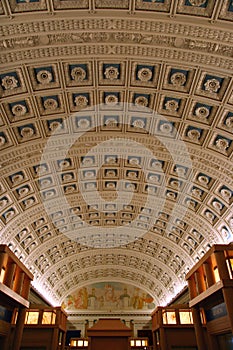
63 340
199 275
19 329
212 342
162 339
7 341
9 274
3 259
25 288
18 283
55 339
208 268
192 287
154 340
198 329
228 298
222 265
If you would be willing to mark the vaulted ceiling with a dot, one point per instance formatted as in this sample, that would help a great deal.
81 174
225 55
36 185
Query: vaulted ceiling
116 121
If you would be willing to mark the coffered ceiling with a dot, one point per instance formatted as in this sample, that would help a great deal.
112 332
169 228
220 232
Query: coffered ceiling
116 121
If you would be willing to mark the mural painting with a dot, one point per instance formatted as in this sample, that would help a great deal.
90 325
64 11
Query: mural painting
109 296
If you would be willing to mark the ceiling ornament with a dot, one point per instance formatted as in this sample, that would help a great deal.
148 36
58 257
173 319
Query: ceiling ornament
111 99
9 82
178 79
111 73
78 74
212 85
145 74
81 100
44 77
172 105
19 110
2 140
202 112
27 132
50 104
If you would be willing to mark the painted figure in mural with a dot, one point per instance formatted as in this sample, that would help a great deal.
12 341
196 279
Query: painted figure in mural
135 301
85 298
69 302
78 301
109 293
125 298
92 299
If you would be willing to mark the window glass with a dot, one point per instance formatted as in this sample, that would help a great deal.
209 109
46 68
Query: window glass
216 274
169 317
48 317
144 343
2 274
202 315
32 317
186 317
230 267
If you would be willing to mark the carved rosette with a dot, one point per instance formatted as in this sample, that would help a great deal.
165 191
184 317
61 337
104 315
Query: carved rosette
226 193
50 104
41 169
229 122
55 125
111 100
222 144
17 178
44 77
210 216
212 85
3 202
178 79
9 214
67 177
144 74
141 101
69 189
23 191
27 132
28 202
78 74
139 123
81 101
111 122
19 110
9 82
217 205
202 112
83 123
111 73
194 135
172 105
153 178
166 128
203 179
2 140
196 192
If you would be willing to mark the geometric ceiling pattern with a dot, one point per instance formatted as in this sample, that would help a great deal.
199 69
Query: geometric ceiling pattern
116 122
